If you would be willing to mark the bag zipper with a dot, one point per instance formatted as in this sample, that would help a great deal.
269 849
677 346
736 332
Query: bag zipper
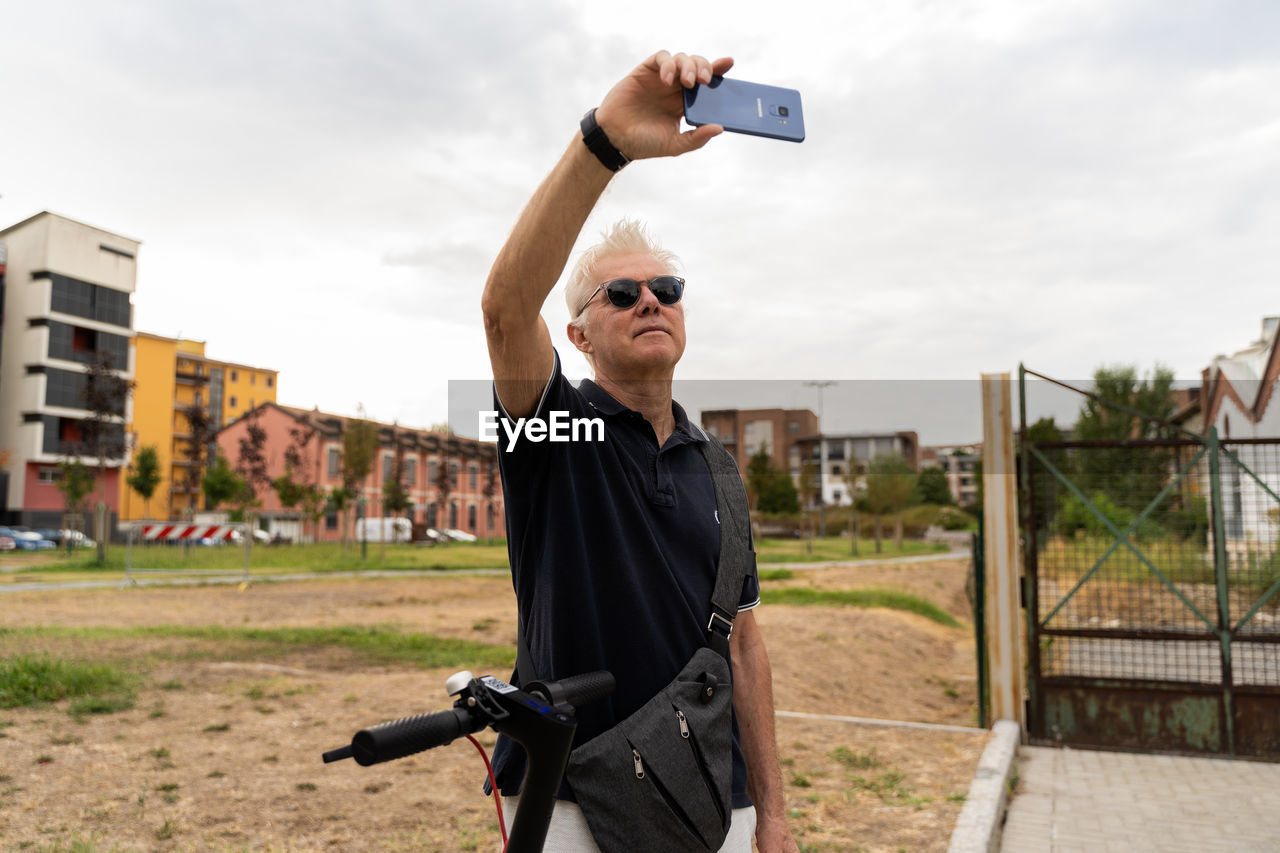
639 764
702 768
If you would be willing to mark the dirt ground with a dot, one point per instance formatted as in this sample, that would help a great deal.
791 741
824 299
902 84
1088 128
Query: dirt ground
224 754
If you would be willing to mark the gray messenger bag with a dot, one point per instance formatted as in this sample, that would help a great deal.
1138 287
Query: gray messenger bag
661 780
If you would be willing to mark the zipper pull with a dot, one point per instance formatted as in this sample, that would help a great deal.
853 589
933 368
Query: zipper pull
684 724
639 764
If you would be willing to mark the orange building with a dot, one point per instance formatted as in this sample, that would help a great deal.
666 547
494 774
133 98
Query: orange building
172 376
452 481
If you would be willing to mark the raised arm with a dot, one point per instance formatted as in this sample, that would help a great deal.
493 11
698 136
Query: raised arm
641 117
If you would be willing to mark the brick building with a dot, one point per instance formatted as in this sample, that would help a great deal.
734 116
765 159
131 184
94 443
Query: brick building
470 499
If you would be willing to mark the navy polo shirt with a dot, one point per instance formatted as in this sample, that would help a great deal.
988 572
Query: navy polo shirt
614 546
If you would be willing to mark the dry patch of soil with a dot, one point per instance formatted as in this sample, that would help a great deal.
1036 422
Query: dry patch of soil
223 753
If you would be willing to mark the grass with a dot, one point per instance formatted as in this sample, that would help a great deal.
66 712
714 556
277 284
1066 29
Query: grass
892 599
34 680
320 557
328 557
837 548
376 644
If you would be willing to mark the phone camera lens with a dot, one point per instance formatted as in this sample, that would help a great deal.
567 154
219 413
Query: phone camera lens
782 111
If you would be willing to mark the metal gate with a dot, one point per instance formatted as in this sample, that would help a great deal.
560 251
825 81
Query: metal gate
1151 590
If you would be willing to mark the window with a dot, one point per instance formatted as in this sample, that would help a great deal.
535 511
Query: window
82 299
453 481
411 471
335 462
235 376
471 518
48 476
453 515
331 521
271 380
388 467
433 472
472 471
253 379
231 401
489 513
74 343
432 514
67 388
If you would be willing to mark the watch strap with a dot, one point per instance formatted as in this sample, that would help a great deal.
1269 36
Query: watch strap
593 136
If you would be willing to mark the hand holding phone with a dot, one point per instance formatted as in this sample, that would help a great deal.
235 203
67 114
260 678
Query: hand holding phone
743 107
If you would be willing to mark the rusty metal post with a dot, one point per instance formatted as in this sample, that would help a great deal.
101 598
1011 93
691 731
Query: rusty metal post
1006 652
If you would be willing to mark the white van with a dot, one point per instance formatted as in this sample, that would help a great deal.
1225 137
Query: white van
383 530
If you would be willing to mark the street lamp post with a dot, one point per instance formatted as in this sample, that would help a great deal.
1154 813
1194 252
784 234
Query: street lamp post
822 458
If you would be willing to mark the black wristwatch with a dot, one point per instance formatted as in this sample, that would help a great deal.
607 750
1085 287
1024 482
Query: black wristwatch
593 136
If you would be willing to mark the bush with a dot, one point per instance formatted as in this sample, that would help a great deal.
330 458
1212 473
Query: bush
1190 522
1074 516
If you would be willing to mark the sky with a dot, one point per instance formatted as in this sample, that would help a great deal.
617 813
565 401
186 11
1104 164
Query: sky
320 188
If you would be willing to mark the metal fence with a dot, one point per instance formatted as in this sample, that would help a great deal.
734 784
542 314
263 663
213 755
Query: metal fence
1152 573
200 552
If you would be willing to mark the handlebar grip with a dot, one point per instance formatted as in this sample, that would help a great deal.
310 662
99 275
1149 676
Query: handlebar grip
581 689
400 738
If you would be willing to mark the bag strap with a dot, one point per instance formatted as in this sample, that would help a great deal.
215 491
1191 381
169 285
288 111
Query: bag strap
734 515
736 558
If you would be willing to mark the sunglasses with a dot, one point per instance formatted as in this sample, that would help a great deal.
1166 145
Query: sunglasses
625 292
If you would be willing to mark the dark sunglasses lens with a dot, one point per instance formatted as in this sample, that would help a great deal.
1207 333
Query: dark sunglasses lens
667 289
623 292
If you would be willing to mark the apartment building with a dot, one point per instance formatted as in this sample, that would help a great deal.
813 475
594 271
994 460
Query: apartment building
65 300
174 375
960 463
452 481
832 457
744 432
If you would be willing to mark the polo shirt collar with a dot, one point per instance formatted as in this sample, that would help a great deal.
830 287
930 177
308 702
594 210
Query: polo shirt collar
605 403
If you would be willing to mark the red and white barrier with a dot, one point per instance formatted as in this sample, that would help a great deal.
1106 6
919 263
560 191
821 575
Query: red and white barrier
186 531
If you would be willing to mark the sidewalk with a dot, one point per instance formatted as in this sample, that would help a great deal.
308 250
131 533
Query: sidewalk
1083 801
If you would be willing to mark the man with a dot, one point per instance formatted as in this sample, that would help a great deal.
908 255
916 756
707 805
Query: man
614 544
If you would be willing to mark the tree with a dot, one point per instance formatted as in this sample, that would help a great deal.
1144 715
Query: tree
75 482
296 487
890 483
198 450
769 490
853 480
444 484
223 484
395 497
934 488
146 474
359 446
490 484
1133 478
808 481
106 394
251 465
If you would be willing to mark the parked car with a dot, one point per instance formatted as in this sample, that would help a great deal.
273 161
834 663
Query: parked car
54 536
27 539
78 539
7 543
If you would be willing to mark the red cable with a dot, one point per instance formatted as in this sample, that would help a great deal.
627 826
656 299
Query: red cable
497 795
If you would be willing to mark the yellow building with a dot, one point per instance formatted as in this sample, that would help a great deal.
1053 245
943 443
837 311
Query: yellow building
173 375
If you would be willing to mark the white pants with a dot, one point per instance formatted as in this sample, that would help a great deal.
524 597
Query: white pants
568 832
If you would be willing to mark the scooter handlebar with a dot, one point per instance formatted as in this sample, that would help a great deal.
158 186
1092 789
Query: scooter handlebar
400 738
576 689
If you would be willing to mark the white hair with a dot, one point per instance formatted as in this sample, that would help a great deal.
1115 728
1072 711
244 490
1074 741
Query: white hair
623 237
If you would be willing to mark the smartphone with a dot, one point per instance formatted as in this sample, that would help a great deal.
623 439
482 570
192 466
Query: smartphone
746 108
